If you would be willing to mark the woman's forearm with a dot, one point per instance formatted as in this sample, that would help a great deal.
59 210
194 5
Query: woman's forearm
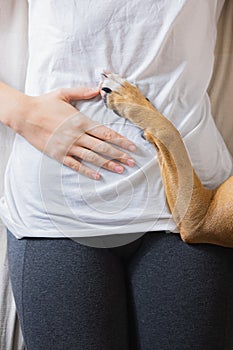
14 105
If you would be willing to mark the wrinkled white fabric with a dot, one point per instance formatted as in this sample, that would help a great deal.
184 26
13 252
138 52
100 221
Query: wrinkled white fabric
166 48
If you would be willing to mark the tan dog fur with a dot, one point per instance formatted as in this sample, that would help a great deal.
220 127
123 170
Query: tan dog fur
201 215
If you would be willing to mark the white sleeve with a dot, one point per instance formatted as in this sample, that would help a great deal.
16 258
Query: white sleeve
13 42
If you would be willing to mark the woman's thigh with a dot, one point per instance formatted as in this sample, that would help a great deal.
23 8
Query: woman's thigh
181 295
68 296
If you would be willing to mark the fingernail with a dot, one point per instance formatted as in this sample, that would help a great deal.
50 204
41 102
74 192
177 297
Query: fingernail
95 176
94 89
91 93
119 169
132 148
130 162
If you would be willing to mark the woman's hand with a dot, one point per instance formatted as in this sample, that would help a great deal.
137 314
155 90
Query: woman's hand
51 124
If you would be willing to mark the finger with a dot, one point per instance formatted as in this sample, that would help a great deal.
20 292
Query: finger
102 147
79 167
109 135
94 158
79 93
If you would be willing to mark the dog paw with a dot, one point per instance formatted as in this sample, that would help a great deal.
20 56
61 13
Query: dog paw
121 96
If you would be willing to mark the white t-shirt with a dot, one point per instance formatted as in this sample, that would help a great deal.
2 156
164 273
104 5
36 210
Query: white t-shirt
166 47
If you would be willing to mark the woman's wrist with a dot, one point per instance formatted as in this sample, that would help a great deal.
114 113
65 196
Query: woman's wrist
15 107
21 113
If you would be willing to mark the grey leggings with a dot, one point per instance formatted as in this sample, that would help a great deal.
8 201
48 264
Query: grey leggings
156 293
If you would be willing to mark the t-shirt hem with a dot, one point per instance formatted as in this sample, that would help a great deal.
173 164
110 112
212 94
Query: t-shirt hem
22 231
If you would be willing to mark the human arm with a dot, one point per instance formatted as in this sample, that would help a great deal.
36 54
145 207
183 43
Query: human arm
52 125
